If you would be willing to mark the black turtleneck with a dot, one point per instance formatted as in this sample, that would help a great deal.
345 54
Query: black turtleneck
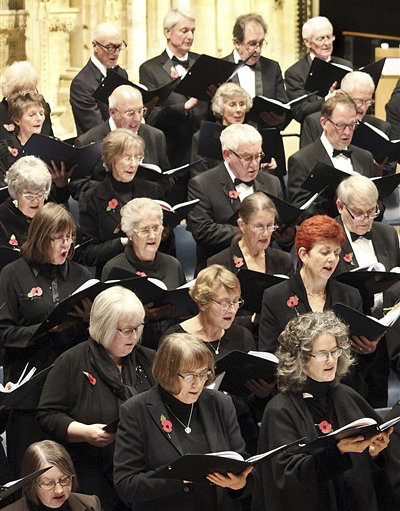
124 190
320 405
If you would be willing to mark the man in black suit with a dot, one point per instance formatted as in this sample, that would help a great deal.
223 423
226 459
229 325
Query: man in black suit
88 112
126 110
318 37
179 116
220 190
260 76
360 87
338 121
393 112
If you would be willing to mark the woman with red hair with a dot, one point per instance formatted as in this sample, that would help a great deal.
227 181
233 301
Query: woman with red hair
318 244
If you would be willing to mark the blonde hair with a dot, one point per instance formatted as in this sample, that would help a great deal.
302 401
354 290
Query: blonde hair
209 280
118 142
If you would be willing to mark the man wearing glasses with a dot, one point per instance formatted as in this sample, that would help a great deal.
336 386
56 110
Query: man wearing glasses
221 189
260 76
360 87
107 45
339 121
318 37
126 110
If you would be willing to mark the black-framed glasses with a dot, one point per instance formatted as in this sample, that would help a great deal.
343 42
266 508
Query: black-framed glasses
225 305
363 216
189 378
111 48
341 126
51 483
128 332
323 356
362 102
247 158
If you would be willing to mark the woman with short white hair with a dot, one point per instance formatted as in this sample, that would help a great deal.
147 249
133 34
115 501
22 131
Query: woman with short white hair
29 183
84 390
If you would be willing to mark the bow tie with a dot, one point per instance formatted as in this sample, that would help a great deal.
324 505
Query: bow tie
238 182
354 236
345 152
115 69
183 63
246 64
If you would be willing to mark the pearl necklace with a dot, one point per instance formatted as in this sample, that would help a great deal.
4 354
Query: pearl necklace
186 427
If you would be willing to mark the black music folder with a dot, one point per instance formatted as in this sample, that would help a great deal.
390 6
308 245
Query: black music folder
13 486
253 284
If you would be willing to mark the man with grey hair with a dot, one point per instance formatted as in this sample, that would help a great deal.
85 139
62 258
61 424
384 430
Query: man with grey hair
126 110
221 189
178 117
107 45
318 37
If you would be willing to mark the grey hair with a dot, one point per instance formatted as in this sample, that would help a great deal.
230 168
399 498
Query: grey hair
173 16
105 28
296 344
115 304
357 188
237 134
226 92
312 24
135 211
356 79
17 77
28 173
123 91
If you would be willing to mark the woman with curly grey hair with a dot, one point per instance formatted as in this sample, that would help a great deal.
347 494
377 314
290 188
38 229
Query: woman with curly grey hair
314 354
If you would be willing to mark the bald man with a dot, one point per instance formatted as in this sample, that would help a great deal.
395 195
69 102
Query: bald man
107 45
126 110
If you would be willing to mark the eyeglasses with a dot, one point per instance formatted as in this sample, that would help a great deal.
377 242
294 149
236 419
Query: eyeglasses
127 160
59 240
111 48
362 102
252 45
342 126
258 228
369 215
145 231
130 114
225 305
328 38
189 378
323 356
51 484
248 158
128 332
32 196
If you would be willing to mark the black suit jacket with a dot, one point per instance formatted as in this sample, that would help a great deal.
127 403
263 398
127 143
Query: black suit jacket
295 79
393 112
213 220
142 446
386 245
76 502
88 112
300 165
155 151
311 130
170 116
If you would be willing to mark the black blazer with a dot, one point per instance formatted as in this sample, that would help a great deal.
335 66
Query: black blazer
103 226
295 79
88 112
393 112
213 220
142 446
300 165
170 117
155 151
76 502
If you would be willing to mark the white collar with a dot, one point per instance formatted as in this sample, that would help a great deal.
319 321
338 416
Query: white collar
312 57
101 67
170 55
327 145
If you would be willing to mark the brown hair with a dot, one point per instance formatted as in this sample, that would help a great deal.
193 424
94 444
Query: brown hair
118 142
48 453
340 98
209 280
49 220
180 353
241 22
19 102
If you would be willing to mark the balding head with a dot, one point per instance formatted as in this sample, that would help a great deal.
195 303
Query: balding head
107 44
360 87
126 107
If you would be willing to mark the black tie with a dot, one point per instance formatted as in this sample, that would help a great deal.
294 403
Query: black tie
183 63
345 152
355 236
115 69
238 181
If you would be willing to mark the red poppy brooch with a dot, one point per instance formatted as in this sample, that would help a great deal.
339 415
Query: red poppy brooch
238 261
91 378
292 302
325 427
112 204
141 274
165 424
13 151
348 258
13 240
9 127
232 194
35 291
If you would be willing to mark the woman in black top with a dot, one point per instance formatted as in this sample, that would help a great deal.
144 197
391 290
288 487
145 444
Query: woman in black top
100 206
30 288
84 390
